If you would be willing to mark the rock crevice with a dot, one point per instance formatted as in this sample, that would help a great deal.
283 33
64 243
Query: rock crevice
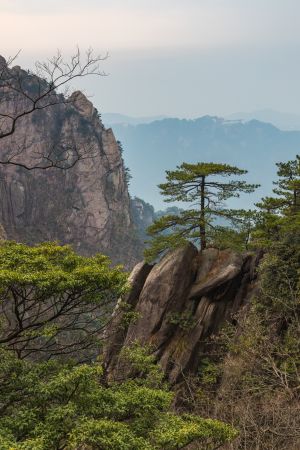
183 302
88 205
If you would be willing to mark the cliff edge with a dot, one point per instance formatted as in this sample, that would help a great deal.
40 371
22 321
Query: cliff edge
88 205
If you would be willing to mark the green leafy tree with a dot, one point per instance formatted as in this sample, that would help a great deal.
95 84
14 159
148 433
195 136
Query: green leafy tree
237 237
287 190
53 301
56 406
204 185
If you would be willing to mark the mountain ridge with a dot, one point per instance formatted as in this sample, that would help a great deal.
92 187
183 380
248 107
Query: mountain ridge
155 147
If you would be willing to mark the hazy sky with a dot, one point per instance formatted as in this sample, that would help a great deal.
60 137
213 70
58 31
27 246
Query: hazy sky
173 57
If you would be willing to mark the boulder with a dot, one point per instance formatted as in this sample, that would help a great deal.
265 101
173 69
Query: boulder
184 301
115 333
163 296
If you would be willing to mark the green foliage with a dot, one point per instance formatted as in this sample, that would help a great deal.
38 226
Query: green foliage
177 432
260 387
238 236
54 269
57 301
48 403
288 185
281 214
183 183
142 363
127 173
55 406
161 243
209 371
200 183
185 321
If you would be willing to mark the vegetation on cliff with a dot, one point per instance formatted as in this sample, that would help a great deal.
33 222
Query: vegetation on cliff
55 392
54 305
251 378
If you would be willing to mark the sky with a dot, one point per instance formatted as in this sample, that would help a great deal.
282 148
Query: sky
183 58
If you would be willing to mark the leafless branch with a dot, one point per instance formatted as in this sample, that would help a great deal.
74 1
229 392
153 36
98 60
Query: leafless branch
23 93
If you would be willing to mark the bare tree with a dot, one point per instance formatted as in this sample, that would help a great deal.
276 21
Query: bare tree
23 93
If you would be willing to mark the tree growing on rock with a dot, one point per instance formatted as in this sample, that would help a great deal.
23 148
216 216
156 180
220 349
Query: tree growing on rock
205 186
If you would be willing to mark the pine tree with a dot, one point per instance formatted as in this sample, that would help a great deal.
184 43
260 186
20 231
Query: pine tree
204 185
282 212
288 185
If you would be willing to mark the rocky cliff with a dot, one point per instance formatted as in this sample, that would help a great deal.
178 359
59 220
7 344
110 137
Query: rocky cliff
143 216
178 305
88 205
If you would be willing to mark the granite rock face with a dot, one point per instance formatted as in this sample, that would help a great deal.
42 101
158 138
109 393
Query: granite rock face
115 334
143 215
183 302
88 205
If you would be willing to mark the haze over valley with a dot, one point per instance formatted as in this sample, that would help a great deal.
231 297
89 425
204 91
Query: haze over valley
154 146
149 225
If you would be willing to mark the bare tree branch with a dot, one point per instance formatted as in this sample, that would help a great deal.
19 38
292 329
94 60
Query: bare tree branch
23 93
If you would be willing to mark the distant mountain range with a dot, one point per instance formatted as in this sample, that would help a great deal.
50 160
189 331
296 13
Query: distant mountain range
151 148
283 121
110 119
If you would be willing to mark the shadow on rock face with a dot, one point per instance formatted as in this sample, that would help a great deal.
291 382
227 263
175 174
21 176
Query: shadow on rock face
180 303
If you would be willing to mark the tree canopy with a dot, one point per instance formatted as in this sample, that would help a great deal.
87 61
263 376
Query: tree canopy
206 186
53 301
58 405
281 213
53 391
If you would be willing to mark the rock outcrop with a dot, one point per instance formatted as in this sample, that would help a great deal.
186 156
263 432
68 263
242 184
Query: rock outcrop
88 205
143 216
179 304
